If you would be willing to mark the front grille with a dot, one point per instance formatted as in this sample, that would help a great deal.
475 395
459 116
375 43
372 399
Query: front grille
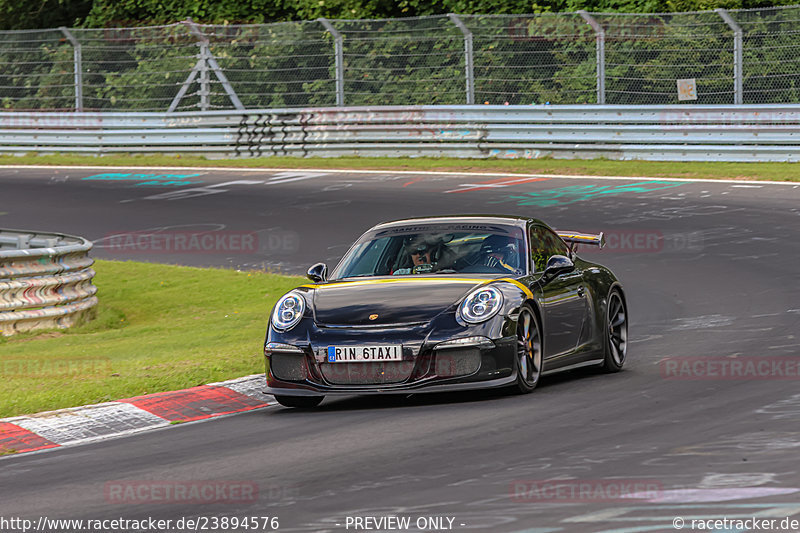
457 362
367 373
288 367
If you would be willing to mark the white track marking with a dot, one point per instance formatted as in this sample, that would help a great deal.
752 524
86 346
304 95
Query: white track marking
89 423
251 386
93 423
194 192
464 187
286 177
409 173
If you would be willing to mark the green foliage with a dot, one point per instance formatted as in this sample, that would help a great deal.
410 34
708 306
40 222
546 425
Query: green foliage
121 13
36 70
24 14
527 60
402 62
139 69
275 65
20 14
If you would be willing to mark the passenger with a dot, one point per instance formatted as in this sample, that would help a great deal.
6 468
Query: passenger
500 251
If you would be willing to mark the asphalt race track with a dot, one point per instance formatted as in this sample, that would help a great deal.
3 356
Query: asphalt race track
712 276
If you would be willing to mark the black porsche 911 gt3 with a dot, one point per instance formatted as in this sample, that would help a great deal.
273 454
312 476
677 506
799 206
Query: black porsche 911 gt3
446 303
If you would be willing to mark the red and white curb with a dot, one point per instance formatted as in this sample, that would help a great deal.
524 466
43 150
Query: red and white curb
79 425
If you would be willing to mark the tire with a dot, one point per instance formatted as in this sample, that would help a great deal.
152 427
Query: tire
529 351
301 402
615 332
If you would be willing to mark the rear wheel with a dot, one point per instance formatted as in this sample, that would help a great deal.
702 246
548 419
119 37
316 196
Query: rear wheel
616 332
529 351
303 402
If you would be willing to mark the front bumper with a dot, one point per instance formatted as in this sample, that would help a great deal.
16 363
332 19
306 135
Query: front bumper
427 366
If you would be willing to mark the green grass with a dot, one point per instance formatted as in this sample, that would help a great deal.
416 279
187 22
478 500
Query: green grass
158 328
594 167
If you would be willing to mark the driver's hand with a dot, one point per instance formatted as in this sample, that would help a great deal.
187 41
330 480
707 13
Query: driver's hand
493 262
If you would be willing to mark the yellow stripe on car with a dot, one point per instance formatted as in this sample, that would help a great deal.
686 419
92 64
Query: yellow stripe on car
471 281
524 289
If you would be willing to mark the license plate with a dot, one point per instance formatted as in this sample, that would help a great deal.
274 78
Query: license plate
360 354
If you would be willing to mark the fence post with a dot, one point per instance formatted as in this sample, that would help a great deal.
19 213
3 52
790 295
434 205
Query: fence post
600 38
77 60
468 57
338 59
204 79
737 54
208 60
205 61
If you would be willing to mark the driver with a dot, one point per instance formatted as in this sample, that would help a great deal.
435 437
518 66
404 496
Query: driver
421 254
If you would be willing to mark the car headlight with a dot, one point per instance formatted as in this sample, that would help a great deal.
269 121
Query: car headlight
481 305
288 311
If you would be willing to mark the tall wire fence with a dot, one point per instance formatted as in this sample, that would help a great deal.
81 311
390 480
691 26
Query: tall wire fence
726 57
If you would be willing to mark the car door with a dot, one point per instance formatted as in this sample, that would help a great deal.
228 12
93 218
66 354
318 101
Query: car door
562 298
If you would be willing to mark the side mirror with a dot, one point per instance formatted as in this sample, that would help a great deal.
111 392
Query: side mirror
318 272
558 264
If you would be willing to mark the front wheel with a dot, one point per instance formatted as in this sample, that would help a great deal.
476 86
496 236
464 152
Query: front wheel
529 351
616 332
302 402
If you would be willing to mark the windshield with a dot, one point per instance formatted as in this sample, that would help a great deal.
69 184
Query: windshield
435 249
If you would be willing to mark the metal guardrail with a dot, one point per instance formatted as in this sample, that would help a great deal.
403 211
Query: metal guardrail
669 133
45 281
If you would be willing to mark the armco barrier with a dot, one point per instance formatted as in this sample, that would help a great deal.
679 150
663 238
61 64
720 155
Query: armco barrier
668 133
45 281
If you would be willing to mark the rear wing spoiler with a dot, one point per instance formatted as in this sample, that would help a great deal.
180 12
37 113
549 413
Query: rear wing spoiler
573 238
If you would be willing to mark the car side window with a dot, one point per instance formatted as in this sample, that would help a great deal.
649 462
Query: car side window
544 245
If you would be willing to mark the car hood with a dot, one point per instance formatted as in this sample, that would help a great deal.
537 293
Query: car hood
393 300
